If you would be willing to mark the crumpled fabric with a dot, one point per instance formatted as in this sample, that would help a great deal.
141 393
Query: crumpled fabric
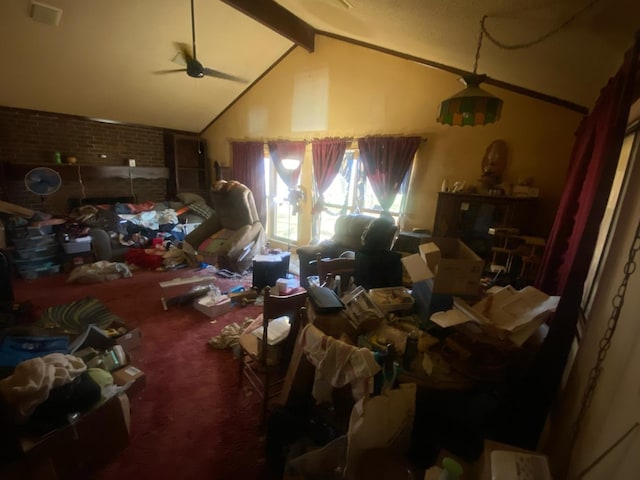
153 219
168 216
101 271
229 335
174 257
338 364
33 379
146 219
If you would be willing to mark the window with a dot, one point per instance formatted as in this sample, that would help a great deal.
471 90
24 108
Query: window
628 150
351 192
282 223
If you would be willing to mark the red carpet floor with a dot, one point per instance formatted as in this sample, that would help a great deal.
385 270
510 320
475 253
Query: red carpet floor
192 420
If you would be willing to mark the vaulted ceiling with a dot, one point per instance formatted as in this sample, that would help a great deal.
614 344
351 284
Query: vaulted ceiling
99 61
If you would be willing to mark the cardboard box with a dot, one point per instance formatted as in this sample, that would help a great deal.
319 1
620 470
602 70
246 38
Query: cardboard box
29 467
210 309
91 442
484 463
130 340
130 374
118 333
454 267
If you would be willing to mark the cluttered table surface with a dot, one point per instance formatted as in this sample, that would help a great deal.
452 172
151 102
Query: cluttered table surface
459 360
457 349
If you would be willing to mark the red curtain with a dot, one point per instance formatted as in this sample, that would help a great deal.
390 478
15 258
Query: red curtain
386 162
327 159
571 244
592 168
286 149
248 168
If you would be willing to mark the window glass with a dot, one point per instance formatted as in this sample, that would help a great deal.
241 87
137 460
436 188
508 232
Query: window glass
282 224
351 192
593 277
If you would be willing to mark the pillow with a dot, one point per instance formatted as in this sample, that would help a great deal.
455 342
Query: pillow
189 198
202 209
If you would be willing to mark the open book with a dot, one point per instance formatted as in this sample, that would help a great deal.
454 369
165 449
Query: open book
520 312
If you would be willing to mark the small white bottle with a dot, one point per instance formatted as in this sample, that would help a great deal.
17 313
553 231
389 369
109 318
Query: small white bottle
445 185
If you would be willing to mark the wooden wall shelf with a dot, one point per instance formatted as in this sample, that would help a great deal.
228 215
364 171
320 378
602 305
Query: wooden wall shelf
87 172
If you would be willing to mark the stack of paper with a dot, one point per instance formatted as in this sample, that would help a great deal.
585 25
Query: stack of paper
520 312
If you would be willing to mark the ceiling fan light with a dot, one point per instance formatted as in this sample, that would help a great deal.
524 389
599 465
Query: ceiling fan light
471 106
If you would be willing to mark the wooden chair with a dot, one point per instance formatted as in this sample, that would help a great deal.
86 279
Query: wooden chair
263 365
345 267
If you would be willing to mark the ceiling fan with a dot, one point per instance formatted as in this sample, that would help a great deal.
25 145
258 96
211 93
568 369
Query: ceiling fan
187 57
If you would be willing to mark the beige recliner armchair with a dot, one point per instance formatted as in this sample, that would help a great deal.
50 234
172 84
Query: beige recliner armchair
233 235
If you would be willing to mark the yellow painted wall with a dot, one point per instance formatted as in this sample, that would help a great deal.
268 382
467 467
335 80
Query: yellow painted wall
371 93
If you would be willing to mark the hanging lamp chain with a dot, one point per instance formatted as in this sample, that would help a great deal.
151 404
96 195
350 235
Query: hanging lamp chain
480 36
605 341
543 37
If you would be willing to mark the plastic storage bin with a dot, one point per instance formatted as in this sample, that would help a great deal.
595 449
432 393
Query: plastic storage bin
36 241
37 253
392 299
77 245
41 270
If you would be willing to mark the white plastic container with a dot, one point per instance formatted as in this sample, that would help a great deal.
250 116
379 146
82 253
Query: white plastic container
77 245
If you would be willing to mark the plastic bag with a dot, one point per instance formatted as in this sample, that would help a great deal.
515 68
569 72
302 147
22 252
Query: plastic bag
383 421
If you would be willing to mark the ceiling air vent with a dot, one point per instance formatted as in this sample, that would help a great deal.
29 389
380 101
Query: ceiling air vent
45 13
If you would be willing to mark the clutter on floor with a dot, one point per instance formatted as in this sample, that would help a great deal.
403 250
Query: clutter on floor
372 352
66 377
459 346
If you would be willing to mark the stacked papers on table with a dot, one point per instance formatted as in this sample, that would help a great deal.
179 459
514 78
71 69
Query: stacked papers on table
520 312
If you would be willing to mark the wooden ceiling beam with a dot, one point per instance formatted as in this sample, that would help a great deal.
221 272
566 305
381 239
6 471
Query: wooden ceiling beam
278 19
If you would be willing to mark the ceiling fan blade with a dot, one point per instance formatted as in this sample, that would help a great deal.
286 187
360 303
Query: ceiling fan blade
217 74
186 55
180 59
185 51
175 70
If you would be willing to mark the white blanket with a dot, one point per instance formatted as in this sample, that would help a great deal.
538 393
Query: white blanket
33 379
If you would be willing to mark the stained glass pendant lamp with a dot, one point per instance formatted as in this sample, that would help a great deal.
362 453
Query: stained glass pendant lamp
473 105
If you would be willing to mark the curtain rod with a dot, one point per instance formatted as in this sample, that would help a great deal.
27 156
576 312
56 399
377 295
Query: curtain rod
306 140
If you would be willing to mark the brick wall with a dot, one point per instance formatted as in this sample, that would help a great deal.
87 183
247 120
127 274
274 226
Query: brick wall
28 136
